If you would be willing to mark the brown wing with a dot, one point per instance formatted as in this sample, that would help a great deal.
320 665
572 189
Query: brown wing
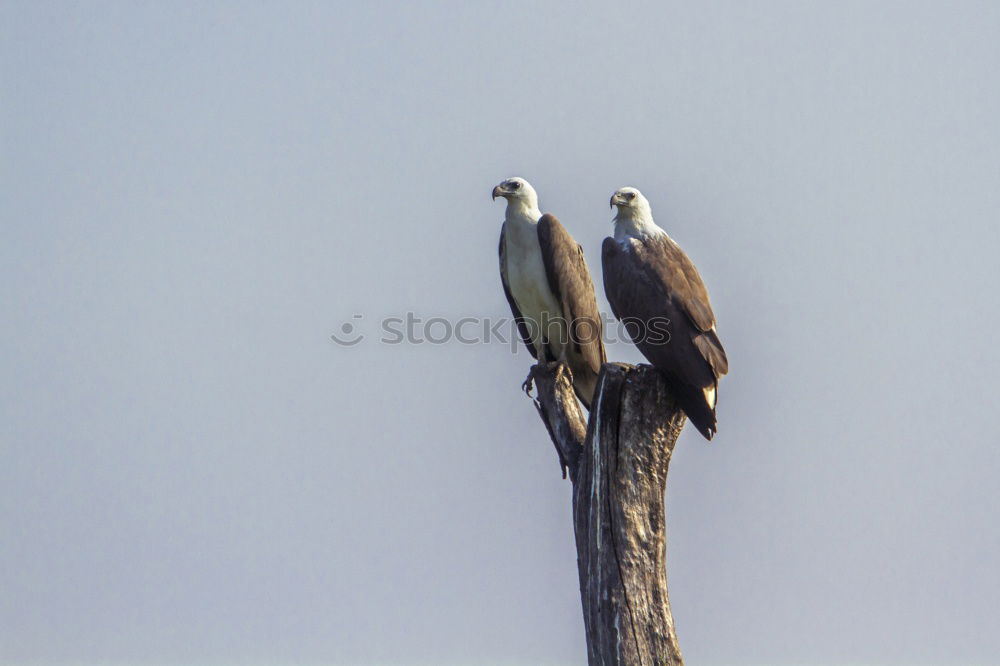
655 290
570 281
672 268
676 274
522 327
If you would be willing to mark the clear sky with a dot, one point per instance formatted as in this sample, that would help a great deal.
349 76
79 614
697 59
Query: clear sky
195 196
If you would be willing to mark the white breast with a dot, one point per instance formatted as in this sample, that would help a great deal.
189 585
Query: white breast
529 286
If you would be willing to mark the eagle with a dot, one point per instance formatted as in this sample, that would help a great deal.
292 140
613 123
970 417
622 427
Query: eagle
656 292
549 289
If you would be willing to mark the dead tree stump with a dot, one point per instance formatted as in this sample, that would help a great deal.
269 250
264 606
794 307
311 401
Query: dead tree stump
617 461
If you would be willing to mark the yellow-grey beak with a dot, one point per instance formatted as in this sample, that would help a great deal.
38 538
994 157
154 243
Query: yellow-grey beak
497 192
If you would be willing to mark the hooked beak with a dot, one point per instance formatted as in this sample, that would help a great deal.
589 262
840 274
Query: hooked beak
497 192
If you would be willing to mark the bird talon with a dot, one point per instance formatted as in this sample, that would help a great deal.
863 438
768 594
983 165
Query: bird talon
527 386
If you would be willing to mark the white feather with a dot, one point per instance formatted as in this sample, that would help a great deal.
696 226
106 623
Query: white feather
529 284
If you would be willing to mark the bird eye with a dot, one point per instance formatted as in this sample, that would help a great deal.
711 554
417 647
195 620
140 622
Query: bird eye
515 185
630 195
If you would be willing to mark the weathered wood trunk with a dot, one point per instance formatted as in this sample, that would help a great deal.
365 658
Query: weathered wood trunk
618 465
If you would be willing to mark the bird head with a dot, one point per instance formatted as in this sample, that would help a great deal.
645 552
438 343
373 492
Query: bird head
634 216
517 190
628 197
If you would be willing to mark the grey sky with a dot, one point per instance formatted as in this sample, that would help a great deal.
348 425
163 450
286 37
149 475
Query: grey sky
193 198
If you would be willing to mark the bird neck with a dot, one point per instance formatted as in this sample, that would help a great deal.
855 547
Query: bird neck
634 223
520 211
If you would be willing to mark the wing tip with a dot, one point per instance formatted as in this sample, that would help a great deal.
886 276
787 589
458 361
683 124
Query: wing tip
702 417
707 431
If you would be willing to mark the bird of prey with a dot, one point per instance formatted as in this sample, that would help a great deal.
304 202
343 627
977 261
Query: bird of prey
656 292
549 289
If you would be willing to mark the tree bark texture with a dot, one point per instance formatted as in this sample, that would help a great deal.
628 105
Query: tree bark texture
617 462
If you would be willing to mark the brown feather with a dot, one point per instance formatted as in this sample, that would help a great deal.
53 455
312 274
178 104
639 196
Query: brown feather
570 281
651 283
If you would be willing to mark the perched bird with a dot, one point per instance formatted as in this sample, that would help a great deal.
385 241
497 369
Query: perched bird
657 293
549 289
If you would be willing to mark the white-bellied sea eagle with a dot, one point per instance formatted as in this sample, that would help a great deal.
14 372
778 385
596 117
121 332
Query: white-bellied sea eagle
656 292
549 288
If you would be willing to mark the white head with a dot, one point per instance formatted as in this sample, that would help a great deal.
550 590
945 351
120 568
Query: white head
520 196
634 217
